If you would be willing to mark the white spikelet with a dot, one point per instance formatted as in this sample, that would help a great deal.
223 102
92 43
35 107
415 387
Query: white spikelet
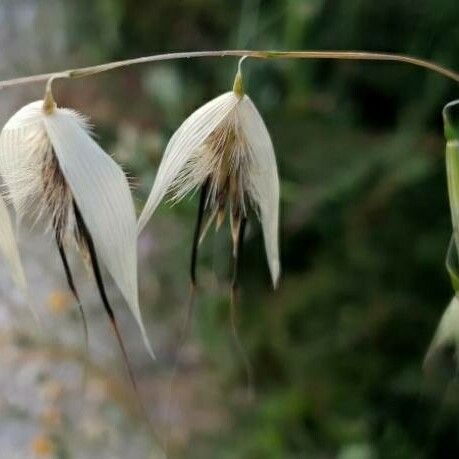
225 144
50 162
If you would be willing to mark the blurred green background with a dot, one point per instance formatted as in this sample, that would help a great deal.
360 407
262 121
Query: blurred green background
337 350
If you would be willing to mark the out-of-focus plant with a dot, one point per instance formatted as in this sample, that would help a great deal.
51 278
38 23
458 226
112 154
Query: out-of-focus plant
447 334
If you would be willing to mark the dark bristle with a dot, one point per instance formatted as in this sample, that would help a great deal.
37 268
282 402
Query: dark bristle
108 309
89 244
233 302
71 284
197 231
87 238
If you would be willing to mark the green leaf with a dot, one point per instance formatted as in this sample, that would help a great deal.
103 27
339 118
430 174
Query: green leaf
452 264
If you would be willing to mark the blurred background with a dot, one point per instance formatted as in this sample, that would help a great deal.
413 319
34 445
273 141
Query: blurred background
337 350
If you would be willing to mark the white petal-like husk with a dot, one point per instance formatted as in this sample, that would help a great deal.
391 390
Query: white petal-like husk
23 142
9 249
189 136
263 179
102 194
26 116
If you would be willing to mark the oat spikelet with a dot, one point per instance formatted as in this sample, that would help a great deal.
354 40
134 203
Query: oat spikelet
49 162
226 143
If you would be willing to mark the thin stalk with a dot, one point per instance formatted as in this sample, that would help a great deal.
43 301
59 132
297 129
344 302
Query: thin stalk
255 54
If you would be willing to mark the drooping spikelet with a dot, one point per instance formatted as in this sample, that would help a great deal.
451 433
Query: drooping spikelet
225 146
55 171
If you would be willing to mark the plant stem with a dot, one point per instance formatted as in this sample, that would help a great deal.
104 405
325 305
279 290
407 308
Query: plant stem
338 55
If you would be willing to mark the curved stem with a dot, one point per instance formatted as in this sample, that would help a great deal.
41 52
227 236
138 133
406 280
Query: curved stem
337 55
